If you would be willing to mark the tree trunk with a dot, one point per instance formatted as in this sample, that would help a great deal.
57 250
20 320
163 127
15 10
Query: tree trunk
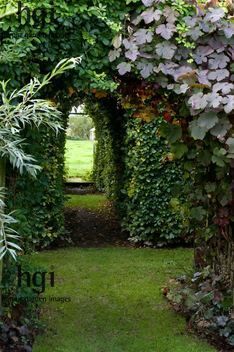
2 184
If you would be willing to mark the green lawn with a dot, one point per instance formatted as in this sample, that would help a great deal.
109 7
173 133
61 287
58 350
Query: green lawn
87 201
79 158
116 302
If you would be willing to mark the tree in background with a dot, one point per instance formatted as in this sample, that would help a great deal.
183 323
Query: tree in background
79 125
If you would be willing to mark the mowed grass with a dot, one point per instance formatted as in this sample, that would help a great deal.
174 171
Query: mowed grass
79 159
116 302
87 201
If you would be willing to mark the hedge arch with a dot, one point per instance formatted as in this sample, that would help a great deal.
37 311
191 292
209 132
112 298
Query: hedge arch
86 29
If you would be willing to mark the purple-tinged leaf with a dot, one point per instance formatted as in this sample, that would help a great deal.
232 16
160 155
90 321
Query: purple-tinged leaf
169 68
170 14
151 15
224 87
198 101
143 36
229 103
218 75
148 3
214 14
129 44
190 21
166 30
218 61
215 100
194 33
146 69
202 53
166 50
123 68
229 31
203 77
216 44
132 54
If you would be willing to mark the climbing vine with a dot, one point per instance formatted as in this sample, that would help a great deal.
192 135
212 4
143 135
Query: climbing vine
187 50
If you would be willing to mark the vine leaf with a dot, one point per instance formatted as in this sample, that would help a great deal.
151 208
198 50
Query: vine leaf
197 132
207 120
221 128
123 68
166 30
166 50
215 14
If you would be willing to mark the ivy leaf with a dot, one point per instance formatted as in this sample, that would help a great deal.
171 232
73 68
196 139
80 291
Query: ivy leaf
197 132
123 68
207 120
171 132
166 30
214 14
166 50
179 149
219 157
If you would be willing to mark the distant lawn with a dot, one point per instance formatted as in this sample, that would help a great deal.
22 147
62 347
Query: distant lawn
79 159
87 201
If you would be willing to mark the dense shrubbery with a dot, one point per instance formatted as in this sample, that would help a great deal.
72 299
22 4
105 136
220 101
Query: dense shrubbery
150 180
40 211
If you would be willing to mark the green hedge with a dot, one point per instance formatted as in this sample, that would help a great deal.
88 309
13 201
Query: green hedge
109 126
40 201
151 182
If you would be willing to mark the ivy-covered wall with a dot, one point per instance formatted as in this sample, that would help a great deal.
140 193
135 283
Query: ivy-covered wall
151 184
133 167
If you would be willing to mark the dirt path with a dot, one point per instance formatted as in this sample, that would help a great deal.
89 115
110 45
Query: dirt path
99 228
